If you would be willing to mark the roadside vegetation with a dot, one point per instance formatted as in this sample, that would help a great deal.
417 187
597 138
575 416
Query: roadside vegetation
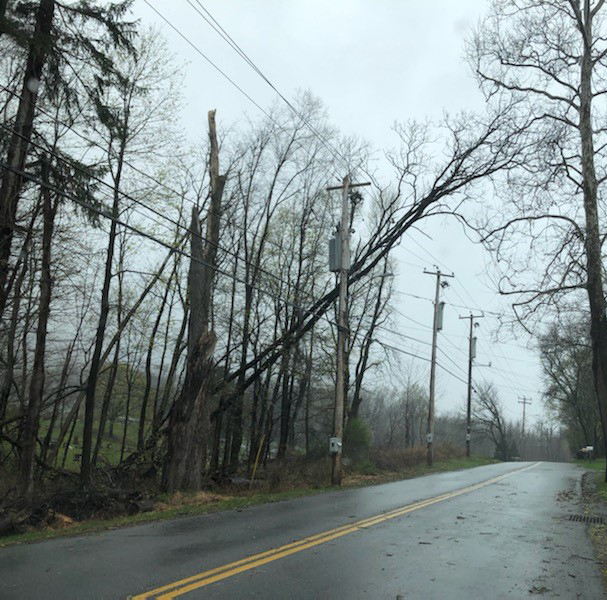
302 478
594 499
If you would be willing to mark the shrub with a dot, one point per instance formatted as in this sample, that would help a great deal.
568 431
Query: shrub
400 459
357 439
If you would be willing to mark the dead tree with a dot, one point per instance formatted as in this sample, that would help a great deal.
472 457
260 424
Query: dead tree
188 422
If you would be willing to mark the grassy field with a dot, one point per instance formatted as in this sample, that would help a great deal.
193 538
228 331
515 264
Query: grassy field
110 448
180 505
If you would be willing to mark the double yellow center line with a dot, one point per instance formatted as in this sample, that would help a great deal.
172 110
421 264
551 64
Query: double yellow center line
189 584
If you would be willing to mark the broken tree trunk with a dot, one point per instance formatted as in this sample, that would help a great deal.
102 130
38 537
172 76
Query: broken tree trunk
188 423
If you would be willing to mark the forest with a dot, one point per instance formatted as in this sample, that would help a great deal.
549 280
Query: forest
169 321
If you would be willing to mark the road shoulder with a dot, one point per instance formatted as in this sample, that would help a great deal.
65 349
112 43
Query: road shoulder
594 501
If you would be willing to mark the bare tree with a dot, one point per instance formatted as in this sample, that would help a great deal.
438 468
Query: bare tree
566 358
489 421
549 58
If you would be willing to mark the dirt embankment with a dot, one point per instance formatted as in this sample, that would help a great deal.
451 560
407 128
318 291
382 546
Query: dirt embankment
595 505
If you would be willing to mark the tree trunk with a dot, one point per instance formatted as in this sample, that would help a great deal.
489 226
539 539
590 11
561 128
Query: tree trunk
598 313
11 183
236 404
188 425
32 417
9 367
168 384
58 405
302 393
110 346
285 406
148 371
107 398
165 346
91 384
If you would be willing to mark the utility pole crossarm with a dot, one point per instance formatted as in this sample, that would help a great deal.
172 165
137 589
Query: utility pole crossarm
438 272
351 185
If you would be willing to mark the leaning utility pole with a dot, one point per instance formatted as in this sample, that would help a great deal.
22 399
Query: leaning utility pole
524 401
339 251
436 327
471 357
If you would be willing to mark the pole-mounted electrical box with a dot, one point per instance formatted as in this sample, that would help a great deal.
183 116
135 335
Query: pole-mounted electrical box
439 316
429 438
335 253
334 445
473 348
468 437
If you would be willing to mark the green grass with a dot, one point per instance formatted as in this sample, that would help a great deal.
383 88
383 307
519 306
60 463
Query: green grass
597 465
107 454
458 463
234 503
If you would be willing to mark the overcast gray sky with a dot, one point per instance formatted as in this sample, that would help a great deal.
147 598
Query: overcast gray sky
372 63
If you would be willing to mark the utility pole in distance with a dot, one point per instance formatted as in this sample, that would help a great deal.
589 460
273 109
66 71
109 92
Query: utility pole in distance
524 401
436 327
471 357
339 259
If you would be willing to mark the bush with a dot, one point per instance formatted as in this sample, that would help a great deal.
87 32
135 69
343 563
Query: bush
366 467
357 439
400 459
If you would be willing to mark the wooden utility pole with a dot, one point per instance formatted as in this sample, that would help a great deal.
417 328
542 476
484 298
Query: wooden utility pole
524 401
437 325
342 330
471 357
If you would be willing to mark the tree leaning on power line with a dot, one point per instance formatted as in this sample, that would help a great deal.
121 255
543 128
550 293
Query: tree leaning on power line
550 59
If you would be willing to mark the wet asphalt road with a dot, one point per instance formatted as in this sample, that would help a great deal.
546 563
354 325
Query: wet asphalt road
508 539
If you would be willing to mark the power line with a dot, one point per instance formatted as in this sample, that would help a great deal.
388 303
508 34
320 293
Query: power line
128 163
487 312
137 231
230 41
143 234
460 297
177 250
402 335
228 78
129 197
451 360
397 349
